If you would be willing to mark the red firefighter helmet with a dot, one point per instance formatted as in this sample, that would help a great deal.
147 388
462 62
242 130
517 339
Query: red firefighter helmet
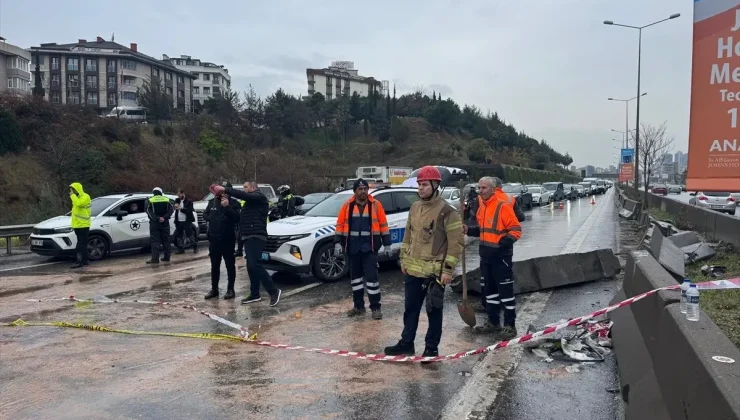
429 173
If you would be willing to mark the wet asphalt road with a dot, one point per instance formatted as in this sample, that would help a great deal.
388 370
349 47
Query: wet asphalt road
65 373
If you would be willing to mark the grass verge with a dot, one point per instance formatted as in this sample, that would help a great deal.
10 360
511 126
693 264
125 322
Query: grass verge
723 306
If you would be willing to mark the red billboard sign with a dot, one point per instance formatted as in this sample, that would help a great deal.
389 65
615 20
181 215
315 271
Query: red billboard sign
626 172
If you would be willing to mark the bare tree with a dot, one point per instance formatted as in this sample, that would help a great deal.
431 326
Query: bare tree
654 145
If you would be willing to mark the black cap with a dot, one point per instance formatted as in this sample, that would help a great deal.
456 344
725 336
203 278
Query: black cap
359 182
226 184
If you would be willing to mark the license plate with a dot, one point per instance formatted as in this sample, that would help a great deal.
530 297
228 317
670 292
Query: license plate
36 242
715 206
265 257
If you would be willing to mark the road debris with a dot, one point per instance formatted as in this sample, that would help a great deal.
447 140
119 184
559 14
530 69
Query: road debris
586 342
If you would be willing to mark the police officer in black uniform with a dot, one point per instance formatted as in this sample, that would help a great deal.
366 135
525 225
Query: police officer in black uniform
222 216
159 209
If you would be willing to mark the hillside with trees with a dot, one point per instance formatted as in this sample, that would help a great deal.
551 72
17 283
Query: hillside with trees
306 142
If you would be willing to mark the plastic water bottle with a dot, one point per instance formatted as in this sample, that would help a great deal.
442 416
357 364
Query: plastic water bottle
692 303
684 288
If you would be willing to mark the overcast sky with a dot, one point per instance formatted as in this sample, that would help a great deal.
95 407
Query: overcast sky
547 66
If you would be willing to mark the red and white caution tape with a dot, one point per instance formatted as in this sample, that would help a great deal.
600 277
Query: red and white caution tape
711 285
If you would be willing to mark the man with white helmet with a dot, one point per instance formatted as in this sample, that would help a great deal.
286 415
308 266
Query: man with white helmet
159 209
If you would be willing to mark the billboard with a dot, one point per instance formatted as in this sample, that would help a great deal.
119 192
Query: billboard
628 156
714 150
626 172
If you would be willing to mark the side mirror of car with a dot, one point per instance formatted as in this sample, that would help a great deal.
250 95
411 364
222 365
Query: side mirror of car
121 214
693 194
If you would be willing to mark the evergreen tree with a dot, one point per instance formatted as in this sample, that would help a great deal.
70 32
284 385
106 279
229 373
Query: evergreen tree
388 106
38 89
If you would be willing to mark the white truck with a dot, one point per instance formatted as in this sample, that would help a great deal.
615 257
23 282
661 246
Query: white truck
395 175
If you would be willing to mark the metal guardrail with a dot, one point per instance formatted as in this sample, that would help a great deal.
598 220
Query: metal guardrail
14 231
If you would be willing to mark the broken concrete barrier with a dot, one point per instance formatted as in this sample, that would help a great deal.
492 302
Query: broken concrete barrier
549 272
667 253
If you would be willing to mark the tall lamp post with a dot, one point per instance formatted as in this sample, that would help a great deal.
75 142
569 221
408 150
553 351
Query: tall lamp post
626 115
625 134
639 61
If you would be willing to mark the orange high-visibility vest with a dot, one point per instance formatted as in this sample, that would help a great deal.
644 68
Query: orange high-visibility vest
496 220
378 223
502 196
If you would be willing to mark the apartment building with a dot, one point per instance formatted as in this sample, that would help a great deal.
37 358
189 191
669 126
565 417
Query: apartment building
209 79
14 71
104 74
341 78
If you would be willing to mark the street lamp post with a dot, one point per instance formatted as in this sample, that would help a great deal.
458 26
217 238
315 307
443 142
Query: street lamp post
639 62
626 115
255 165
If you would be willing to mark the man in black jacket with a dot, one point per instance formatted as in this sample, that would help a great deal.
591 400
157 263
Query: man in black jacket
222 215
184 218
253 229
159 209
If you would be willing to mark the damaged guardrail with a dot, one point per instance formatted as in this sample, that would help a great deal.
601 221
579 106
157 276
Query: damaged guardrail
14 231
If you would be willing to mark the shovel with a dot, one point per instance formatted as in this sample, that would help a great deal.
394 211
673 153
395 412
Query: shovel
466 312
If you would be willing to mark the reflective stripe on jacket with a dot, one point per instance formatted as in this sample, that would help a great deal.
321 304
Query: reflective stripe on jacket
378 223
81 207
496 219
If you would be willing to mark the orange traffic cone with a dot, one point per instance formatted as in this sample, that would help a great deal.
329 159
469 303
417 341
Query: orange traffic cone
593 200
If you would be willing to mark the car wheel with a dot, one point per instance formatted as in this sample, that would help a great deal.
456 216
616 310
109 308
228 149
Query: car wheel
540 201
732 212
97 247
327 266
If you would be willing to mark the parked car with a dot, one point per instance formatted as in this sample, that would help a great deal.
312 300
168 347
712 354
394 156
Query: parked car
311 200
304 244
452 196
661 189
523 197
587 188
674 189
540 195
117 223
722 202
556 189
570 192
581 191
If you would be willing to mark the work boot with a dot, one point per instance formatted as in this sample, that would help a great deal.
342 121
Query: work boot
400 349
377 315
179 251
153 262
166 259
356 312
251 299
429 352
487 328
230 294
212 294
506 333
77 265
195 249
275 298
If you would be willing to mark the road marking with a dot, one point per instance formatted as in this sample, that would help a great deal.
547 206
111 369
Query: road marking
476 397
30 266
301 289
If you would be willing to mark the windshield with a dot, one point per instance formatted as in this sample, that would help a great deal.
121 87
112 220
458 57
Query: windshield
550 187
267 191
314 198
101 203
446 194
579 187
512 188
585 184
535 190
329 207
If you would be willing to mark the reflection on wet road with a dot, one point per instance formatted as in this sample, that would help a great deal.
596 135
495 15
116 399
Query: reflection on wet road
55 373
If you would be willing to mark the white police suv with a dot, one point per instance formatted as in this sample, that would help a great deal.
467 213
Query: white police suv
304 244
118 222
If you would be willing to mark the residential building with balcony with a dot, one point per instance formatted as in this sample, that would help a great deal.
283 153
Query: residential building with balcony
104 74
14 68
209 79
341 78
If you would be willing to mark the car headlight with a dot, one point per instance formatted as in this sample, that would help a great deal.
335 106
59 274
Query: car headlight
301 236
63 230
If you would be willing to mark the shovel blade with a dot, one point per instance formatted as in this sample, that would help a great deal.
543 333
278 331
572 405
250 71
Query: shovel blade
466 313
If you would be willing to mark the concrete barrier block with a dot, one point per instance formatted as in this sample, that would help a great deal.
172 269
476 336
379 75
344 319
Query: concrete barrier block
727 229
640 388
630 205
669 255
626 214
610 265
683 239
694 385
526 278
